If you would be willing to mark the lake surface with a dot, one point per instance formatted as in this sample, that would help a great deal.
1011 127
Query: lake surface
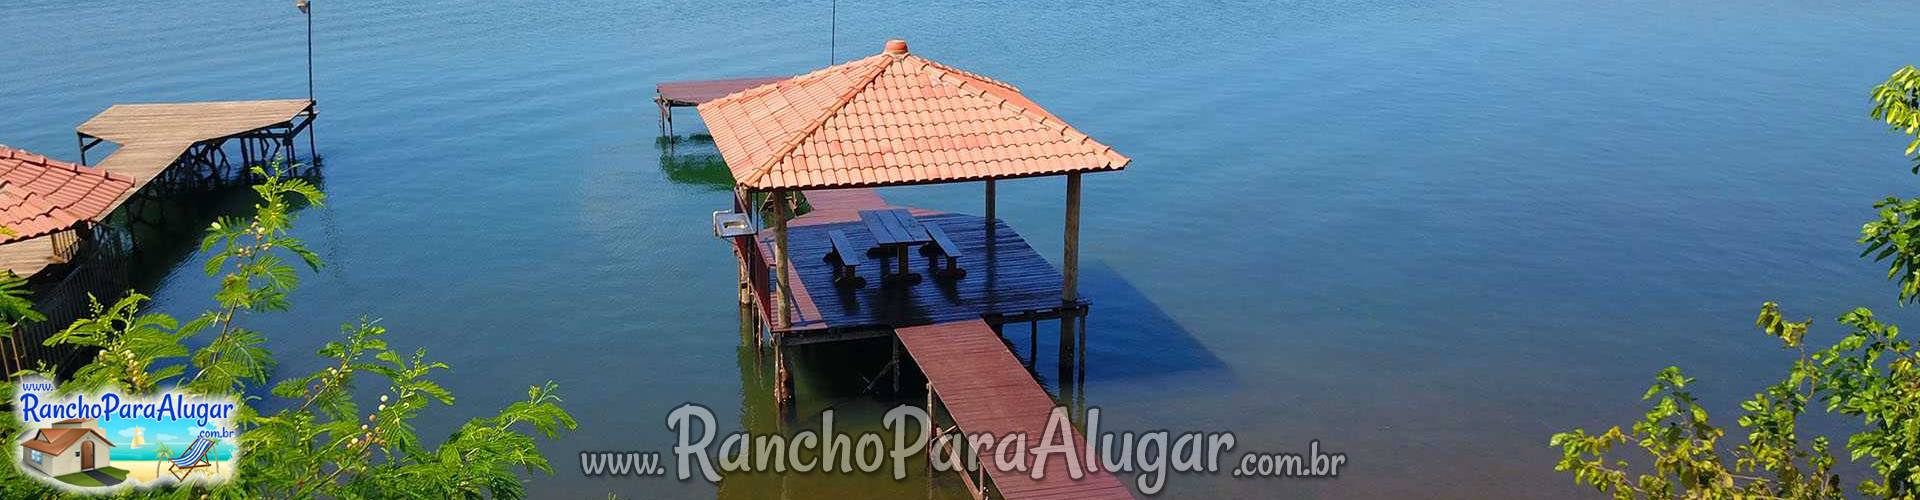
1428 234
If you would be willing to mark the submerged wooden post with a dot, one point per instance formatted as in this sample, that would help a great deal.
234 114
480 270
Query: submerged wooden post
743 203
782 382
781 212
1070 272
933 429
1069 351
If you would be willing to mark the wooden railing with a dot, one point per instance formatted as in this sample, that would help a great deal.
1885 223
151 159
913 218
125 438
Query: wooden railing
759 275
93 269
759 267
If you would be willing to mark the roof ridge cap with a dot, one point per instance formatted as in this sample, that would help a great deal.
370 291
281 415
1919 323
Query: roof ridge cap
742 94
950 69
760 171
1053 123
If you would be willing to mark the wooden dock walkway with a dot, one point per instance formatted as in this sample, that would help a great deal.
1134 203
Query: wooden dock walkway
153 136
987 390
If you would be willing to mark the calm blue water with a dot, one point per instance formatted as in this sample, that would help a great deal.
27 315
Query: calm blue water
1429 234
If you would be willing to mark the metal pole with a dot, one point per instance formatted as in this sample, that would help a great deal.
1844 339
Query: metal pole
309 13
833 32
313 150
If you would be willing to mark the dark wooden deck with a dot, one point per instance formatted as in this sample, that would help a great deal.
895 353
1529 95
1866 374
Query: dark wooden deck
986 390
693 93
1005 277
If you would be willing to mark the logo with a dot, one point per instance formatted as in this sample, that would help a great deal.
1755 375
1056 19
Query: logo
107 441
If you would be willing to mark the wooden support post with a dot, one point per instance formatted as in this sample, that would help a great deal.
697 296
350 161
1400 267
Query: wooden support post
896 365
1070 272
1033 344
990 212
313 151
658 102
781 212
782 381
745 285
1080 364
1068 349
749 329
933 425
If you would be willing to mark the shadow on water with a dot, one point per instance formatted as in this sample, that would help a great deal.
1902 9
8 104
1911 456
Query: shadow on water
151 235
167 229
1127 339
1130 338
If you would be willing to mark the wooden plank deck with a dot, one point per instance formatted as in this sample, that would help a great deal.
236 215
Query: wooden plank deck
142 162
1004 277
693 93
152 136
191 122
986 390
830 206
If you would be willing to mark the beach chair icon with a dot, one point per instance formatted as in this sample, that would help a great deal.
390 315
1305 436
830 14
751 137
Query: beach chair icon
194 458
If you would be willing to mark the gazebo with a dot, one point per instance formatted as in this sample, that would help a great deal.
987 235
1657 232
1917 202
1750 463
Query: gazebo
897 119
894 119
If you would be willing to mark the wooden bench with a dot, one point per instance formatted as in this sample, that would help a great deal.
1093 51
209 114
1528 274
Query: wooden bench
942 246
846 260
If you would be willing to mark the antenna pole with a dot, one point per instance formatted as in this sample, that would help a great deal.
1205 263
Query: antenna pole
833 31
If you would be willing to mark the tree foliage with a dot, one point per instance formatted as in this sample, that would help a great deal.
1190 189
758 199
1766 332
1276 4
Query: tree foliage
321 442
1871 375
1894 237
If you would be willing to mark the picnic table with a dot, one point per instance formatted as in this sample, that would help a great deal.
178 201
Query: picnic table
894 230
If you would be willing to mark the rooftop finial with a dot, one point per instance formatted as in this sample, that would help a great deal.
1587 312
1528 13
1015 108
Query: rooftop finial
896 47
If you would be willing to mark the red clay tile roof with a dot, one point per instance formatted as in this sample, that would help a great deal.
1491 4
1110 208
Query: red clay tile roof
889 119
40 195
57 441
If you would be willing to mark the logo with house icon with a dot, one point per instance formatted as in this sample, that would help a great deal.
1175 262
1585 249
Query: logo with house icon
73 451
101 442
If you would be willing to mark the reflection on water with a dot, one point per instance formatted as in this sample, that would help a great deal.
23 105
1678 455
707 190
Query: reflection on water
705 170
1540 217
847 379
166 228
1128 339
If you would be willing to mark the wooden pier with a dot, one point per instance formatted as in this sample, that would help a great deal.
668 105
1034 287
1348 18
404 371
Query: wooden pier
986 390
154 138
669 95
